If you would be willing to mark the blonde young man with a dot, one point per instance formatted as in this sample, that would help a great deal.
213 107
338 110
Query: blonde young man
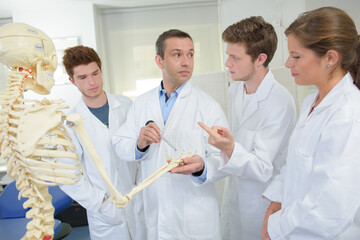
262 116
174 207
103 114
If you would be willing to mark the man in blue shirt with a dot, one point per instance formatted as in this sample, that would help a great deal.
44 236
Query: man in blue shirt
174 207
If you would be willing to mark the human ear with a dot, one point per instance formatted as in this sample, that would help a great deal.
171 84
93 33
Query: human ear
331 58
261 59
159 61
72 81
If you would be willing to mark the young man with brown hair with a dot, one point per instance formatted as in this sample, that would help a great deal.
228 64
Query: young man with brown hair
262 116
103 114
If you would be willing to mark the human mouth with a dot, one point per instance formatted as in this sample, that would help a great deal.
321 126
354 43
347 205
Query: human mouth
93 89
184 72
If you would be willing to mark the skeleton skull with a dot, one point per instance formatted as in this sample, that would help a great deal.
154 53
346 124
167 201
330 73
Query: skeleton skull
23 46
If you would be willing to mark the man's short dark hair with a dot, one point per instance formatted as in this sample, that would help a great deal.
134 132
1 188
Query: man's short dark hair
160 42
257 36
79 55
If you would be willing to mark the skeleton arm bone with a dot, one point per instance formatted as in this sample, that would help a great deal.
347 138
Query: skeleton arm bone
75 122
158 173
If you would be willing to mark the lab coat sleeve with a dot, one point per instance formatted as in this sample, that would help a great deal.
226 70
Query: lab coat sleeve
332 201
212 154
84 192
124 140
274 192
269 140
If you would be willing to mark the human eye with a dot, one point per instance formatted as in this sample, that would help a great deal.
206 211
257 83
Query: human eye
295 56
235 58
190 55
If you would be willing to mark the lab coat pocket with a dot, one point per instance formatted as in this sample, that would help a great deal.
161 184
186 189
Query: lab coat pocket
200 217
246 138
303 166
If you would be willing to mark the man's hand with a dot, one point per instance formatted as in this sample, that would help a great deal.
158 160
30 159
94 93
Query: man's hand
220 138
148 135
191 165
273 208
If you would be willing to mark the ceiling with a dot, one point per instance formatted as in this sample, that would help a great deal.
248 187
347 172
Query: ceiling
5 5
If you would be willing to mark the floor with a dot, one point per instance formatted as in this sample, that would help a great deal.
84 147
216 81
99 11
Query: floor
78 233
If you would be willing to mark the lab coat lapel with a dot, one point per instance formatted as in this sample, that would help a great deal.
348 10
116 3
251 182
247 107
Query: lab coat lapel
86 115
332 98
249 110
155 109
236 105
340 90
179 107
114 103
262 93
83 110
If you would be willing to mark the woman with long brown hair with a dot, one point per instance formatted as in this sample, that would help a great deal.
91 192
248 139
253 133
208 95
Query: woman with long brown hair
317 194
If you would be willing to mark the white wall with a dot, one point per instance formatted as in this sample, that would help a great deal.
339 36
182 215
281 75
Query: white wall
58 19
352 7
129 45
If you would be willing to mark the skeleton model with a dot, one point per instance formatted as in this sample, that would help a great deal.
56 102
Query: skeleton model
33 137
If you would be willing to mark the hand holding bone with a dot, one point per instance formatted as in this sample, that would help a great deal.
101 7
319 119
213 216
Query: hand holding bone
171 164
190 165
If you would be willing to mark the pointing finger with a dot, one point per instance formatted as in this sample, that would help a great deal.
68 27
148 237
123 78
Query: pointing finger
206 128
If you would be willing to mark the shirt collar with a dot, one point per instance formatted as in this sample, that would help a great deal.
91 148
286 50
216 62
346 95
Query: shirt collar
162 91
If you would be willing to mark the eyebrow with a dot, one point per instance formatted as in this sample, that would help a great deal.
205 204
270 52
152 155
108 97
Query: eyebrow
84 75
180 50
232 55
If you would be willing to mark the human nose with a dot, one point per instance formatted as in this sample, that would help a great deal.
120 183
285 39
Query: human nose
185 61
289 62
227 63
92 80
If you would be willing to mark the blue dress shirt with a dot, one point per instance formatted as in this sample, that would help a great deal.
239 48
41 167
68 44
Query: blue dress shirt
166 105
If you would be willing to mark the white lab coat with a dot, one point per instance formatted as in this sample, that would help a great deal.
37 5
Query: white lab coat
261 134
319 186
174 207
105 220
